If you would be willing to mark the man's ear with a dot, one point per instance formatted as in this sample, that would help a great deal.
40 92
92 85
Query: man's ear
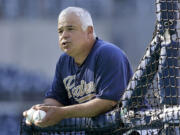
90 30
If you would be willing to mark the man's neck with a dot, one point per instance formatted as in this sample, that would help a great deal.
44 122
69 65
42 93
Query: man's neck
79 60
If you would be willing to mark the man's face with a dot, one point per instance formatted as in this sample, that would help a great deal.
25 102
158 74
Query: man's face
72 38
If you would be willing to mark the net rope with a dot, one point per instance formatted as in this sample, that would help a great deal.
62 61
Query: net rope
150 103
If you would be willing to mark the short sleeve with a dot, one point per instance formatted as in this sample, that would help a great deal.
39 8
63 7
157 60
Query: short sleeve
113 73
57 90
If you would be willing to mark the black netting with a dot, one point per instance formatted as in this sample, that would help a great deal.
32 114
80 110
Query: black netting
152 96
150 104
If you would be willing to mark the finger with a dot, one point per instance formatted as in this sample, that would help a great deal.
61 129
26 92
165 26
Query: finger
39 107
28 122
25 113
44 108
36 106
41 124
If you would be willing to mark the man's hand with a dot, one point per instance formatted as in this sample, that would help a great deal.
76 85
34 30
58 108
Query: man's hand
25 113
54 115
47 102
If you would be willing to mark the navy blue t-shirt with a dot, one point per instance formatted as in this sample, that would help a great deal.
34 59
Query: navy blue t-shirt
104 74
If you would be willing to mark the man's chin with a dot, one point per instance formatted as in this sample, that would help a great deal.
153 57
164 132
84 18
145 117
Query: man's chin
67 52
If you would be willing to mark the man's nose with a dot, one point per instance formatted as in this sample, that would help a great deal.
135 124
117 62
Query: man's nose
65 34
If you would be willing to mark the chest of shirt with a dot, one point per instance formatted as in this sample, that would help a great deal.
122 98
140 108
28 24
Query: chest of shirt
79 82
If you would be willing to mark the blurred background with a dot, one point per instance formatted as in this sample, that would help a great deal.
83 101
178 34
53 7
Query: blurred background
29 46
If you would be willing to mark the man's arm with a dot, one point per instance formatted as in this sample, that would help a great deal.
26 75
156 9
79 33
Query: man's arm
89 109
52 102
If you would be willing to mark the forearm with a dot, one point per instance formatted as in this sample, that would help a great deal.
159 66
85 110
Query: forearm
89 109
52 102
55 114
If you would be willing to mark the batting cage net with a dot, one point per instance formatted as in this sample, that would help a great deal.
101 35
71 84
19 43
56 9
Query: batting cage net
150 103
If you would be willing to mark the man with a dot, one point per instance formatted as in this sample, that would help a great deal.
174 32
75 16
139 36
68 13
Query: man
90 76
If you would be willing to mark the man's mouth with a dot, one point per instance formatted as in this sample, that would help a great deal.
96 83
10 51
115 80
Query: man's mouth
65 44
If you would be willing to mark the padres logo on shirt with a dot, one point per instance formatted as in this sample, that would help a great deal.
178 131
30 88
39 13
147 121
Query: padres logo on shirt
81 93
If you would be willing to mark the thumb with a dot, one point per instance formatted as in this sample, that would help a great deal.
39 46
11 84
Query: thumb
25 113
41 107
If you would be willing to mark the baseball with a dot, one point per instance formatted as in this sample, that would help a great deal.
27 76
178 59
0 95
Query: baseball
38 115
29 117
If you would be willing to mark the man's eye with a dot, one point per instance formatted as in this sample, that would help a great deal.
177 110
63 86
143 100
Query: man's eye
60 31
70 29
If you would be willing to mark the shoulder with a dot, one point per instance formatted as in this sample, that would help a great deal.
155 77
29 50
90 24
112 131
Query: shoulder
62 64
64 58
108 50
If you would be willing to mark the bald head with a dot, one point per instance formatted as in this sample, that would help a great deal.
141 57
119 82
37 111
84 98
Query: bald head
83 15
